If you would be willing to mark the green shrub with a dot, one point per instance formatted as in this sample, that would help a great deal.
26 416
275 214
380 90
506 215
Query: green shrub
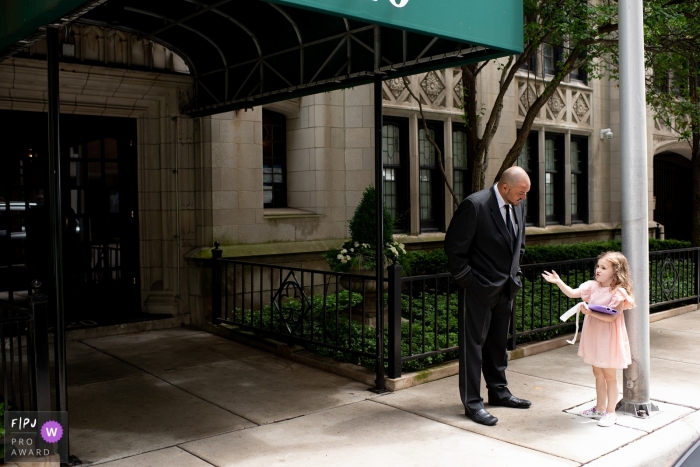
419 263
363 225
537 254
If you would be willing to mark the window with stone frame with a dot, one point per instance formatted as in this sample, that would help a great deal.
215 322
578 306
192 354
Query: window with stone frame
551 56
579 74
579 179
529 161
461 175
530 65
274 160
396 162
554 178
431 182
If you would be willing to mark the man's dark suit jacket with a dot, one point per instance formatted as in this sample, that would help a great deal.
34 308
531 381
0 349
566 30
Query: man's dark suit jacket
478 247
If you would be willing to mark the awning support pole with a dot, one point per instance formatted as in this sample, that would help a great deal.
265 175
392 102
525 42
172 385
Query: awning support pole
56 216
379 191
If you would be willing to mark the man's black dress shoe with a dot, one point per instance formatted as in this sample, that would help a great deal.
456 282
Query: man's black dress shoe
512 402
482 416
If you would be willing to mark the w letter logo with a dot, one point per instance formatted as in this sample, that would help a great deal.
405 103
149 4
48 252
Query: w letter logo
51 431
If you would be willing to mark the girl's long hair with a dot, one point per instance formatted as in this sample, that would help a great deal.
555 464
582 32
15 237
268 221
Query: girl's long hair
621 277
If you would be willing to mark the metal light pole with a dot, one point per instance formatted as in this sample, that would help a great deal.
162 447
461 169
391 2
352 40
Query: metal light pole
635 211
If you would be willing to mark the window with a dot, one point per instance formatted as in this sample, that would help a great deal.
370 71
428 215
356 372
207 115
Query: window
579 179
432 186
529 161
274 160
531 64
395 155
579 74
661 82
461 179
554 178
551 56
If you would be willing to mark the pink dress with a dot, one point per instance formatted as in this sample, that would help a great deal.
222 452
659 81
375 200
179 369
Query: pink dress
605 344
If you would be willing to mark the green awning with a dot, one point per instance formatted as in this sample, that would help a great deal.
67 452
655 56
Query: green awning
244 53
496 24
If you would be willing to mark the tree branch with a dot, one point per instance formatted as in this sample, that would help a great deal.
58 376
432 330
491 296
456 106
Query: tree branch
455 199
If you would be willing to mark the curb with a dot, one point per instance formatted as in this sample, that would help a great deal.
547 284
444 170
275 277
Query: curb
661 447
127 328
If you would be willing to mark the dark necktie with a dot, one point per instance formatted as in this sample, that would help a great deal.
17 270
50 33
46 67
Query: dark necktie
509 226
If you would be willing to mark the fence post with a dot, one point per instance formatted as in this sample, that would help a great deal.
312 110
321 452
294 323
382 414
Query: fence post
216 254
38 303
394 320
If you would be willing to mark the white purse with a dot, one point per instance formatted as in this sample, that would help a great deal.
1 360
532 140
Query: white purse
571 312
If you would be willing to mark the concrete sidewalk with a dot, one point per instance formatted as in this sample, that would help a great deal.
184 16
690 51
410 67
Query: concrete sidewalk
184 397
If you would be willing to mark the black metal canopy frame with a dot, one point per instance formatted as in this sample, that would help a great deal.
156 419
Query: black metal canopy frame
247 53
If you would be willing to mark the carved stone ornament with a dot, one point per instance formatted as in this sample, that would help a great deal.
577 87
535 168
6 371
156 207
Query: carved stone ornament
396 86
528 97
555 103
580 107
459 90
432 85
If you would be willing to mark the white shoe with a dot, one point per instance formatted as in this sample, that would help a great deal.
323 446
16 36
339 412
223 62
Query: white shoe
608 419
592 413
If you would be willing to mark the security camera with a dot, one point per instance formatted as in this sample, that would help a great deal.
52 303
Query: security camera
606 134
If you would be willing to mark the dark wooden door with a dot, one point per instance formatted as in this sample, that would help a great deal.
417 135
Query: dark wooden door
101 210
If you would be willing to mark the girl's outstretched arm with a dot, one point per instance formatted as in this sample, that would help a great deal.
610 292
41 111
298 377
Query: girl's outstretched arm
553 278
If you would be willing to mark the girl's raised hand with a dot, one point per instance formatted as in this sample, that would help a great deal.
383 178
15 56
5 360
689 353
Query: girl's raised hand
551 277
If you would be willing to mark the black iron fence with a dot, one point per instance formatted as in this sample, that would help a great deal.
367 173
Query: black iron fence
332 313
24 354
335 313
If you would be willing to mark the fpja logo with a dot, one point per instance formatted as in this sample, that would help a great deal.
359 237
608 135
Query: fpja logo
398 3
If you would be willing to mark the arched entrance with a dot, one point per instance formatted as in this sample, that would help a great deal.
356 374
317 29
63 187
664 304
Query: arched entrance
672 191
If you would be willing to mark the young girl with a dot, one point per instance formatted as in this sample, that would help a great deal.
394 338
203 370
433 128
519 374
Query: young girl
604 343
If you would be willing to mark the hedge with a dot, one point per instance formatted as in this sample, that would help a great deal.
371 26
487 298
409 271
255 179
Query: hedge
419 263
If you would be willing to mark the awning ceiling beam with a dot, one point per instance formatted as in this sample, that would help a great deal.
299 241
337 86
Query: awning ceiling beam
243 54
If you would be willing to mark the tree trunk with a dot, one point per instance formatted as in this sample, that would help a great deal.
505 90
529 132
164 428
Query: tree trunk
475 156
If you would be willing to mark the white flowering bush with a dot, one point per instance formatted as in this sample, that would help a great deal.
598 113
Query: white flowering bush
359 253
356 256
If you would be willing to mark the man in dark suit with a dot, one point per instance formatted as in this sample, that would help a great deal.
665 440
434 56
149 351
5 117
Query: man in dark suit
484 244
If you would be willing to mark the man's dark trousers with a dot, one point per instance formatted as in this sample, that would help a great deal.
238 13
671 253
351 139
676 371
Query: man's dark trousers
483 337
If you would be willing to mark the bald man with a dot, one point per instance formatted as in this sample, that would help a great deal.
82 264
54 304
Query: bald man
485 244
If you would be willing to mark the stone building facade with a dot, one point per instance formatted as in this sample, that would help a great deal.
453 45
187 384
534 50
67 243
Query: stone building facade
208 179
